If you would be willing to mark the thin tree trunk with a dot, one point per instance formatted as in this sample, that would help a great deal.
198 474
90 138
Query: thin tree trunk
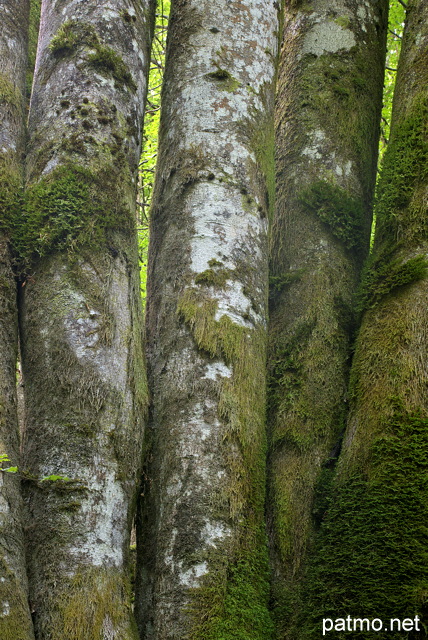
327 126
15 618
203 560
81 321
372 548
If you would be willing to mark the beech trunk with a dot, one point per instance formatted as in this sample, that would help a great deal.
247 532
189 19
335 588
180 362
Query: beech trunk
203 556
82 336
371 550
327 117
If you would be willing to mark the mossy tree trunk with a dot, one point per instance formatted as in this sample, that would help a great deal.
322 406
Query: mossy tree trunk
327 125
203 558
15 618
81 323
372 546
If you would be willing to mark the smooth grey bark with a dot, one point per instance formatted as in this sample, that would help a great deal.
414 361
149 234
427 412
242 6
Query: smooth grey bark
81 325
327 126
202 558
15 619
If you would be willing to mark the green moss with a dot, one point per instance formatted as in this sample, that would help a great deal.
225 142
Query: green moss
224 80
382 277
285 378
343 213
33 35
231 602
371 550
65 40
215 276
71 207
9 93
263 144
401 208
11 193
278 283
72 36
93 603
343 21
108 62
16 625
339 94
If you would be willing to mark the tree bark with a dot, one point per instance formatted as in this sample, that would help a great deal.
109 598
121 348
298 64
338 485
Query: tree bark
83 365
202 555
327 128
15 618
372 548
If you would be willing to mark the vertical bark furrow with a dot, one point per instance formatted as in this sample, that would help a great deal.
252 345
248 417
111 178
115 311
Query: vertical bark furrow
203 558
327 124
82 332
15 619
371 550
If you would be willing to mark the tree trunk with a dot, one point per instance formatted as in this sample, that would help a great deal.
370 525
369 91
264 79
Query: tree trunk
15 618
83 366
203 560
327 127
372 551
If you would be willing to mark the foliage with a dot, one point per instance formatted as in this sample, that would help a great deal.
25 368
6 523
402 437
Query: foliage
150 134
395 32
4 458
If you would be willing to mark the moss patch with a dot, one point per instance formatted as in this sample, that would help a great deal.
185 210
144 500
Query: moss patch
223 80
279 283
371 550
71 207
33 35
382 277
401 207
344 214
108 62
11 193
16 624
231 602
73 36
215 276
93 606
9 93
